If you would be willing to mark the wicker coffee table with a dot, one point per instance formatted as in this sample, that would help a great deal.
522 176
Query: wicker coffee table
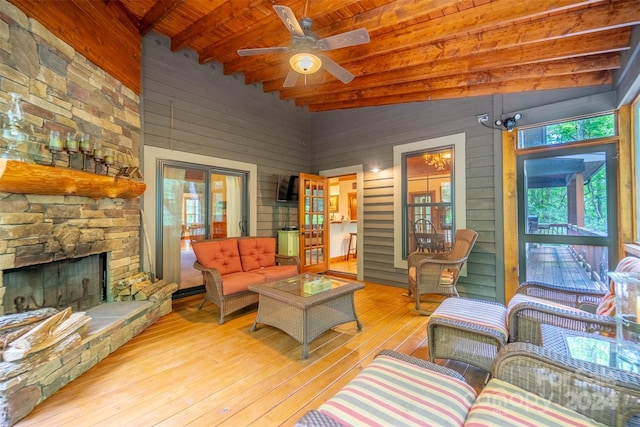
284 305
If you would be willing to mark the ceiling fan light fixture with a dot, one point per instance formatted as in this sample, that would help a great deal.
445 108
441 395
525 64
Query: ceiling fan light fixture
305 62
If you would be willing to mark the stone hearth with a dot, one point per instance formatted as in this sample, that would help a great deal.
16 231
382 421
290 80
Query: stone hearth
25 384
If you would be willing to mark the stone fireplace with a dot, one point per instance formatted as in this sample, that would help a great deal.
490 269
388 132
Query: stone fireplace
39 229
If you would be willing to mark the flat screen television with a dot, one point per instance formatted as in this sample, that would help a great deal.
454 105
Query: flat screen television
287 188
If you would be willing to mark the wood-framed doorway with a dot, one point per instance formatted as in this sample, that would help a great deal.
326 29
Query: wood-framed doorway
356 170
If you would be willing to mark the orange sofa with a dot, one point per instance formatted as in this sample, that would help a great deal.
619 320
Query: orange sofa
230 265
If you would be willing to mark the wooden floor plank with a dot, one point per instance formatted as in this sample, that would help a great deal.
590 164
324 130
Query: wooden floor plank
188 370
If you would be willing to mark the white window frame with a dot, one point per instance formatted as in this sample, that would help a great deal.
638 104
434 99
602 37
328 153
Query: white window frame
458 142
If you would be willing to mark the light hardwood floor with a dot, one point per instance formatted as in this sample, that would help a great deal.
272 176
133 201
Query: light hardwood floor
188 370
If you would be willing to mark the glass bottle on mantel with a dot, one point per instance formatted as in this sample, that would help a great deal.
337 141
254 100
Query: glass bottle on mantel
627 291
12 133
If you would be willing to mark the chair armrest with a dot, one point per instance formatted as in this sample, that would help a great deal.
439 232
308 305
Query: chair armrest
573 297
609 396
212 277
288 260
425 364
534 314
434 267
416 257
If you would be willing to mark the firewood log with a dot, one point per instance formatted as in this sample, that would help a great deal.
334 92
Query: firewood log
48 333
145 289
11 321
163 292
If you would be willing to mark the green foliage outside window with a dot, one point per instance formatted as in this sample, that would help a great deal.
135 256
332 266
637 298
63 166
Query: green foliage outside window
579 130
550 204
567 132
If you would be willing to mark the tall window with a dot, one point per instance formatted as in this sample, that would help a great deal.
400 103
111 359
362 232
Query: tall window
429 194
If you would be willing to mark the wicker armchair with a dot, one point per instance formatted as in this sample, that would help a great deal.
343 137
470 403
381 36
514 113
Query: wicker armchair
437 273
537 303
609 396
568 308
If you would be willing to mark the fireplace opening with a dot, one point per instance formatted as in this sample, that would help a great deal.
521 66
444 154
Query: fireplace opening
79 283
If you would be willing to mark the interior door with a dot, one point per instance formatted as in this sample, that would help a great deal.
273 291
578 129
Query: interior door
313 209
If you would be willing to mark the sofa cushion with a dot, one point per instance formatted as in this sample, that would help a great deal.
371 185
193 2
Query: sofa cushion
503 404
257 252
394 392
222 255
277 272
240 281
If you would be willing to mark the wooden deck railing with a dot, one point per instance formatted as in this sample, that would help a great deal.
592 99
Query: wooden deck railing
593 260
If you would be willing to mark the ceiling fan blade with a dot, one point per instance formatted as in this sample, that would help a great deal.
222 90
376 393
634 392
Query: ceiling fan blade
291 79
262 51
338 72
350 38
289 20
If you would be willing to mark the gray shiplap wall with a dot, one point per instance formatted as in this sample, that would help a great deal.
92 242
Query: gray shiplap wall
194 108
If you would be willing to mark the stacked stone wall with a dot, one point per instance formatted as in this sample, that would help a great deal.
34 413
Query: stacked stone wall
63 91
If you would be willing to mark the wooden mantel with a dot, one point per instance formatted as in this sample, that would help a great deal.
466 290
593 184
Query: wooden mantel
26 178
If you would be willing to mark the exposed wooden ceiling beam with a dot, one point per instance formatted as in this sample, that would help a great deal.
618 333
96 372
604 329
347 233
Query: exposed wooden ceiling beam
157 13
530 72
583 45
411 35
269 31
576 22
209 24
578 80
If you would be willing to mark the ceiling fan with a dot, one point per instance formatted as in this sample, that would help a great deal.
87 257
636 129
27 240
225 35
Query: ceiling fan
306 46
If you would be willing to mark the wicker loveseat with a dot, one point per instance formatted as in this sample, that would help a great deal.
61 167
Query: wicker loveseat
529 387
229 266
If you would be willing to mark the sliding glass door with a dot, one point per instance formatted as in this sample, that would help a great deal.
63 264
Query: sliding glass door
198 202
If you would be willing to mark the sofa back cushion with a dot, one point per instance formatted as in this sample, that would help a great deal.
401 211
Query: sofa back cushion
222 255
257 252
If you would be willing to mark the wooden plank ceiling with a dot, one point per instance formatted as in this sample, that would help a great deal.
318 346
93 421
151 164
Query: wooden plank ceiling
420 50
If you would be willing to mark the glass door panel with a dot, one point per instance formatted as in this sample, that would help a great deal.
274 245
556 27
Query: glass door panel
198 203
183 221
313 208
568 220
227 209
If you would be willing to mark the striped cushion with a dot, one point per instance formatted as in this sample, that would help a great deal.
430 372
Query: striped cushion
477 312
503 404
522 298
394 392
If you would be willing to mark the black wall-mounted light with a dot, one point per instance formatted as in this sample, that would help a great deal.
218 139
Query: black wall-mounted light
510 122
